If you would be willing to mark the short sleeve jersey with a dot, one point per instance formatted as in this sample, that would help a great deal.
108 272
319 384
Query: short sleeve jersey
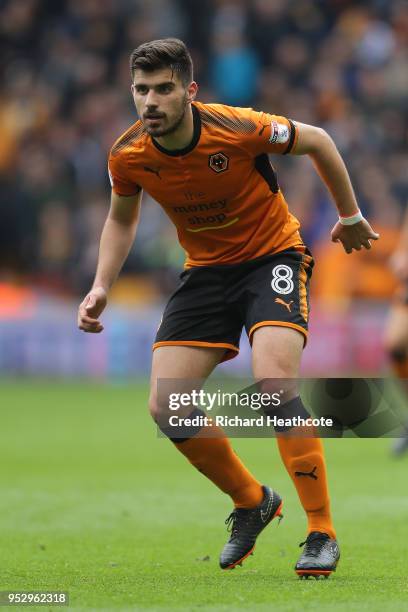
221 192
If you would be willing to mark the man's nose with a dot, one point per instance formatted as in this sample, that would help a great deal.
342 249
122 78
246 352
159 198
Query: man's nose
151 100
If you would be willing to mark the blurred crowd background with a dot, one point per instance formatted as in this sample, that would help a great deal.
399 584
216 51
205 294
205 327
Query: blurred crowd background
65 98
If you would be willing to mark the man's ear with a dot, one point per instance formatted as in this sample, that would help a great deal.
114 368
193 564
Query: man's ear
192 91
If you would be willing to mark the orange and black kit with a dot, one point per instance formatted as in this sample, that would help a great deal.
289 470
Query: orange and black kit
221 191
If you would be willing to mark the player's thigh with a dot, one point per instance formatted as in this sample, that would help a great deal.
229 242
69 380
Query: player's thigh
185 361
276 352
396 331
277 312
179 369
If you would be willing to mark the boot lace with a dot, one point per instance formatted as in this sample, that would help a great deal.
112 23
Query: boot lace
314 543
234 521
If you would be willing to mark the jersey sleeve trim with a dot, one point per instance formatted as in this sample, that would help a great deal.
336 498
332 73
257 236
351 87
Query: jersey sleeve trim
292 139
127 195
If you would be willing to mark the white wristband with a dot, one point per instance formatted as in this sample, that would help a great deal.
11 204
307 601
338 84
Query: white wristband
352 220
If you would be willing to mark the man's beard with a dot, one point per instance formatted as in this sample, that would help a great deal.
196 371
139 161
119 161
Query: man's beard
165 131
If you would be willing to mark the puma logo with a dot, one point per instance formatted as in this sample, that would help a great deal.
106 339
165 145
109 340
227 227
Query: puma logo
311 474
155 171
286 304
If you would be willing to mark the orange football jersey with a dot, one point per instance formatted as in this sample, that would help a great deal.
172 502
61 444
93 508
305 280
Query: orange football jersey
221 191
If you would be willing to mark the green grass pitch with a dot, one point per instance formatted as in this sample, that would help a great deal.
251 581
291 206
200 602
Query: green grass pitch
92 502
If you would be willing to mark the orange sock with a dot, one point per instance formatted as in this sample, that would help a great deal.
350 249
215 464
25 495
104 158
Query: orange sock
304 460
216 459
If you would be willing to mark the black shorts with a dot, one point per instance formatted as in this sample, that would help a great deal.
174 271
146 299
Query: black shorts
213 303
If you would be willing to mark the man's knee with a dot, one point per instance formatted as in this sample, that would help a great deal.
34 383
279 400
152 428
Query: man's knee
279 364
158 407
281 367
284 384
161 408
160 412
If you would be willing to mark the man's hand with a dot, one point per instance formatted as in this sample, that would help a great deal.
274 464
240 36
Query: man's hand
90 309
354 236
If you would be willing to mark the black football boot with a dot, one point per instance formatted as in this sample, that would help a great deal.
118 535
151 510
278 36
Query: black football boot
245 526
320 556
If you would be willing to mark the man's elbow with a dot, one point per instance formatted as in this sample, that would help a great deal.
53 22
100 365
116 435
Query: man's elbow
319 142
312 140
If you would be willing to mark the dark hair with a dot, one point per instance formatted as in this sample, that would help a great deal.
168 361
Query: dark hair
164 53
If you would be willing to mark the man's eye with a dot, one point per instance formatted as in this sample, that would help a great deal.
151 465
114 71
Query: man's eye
141 90
165 89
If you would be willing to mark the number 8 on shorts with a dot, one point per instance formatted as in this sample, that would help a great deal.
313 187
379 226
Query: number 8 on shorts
282 279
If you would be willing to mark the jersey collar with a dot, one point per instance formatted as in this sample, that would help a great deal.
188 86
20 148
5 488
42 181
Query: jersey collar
193 143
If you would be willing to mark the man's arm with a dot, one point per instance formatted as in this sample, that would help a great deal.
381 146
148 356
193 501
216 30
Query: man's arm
316 143
117 238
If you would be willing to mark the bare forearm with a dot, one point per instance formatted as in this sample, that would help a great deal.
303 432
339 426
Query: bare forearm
316 143
355 232
331 168
116 241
